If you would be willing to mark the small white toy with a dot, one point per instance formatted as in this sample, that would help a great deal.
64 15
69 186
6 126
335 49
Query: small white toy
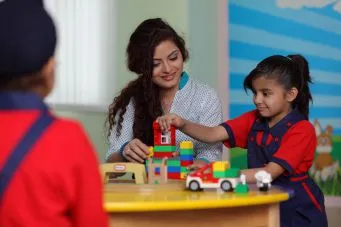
263 180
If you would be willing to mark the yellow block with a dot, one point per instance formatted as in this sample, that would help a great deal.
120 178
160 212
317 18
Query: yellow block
151 151
183 175
221 165
186 145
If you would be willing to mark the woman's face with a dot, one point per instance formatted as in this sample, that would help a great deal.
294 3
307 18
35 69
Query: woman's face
167 65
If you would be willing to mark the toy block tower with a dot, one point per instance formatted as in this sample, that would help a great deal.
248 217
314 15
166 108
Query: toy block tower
164 143
186 157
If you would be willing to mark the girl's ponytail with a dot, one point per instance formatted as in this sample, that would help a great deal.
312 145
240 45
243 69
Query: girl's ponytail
304 95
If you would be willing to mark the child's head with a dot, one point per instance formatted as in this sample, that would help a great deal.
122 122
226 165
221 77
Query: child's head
280 84
27 45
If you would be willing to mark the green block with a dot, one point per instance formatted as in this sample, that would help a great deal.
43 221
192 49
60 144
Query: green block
184 169
173 163
241 188
164 148
186 152
232 172
219 174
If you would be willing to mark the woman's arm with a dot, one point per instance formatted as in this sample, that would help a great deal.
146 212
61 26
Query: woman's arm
115 143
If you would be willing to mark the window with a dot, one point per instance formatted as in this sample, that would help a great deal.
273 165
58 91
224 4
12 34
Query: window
85 52
165 138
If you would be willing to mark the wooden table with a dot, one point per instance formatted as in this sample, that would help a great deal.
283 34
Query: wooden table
171 205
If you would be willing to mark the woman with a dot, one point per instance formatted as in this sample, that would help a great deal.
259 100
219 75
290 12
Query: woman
156 53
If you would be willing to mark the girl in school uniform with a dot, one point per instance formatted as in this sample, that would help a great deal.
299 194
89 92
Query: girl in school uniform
277 134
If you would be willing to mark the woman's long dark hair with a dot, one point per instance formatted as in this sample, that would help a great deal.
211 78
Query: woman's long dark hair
142 91
290 71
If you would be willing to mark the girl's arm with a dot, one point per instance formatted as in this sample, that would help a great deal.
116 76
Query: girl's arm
199 132
273 168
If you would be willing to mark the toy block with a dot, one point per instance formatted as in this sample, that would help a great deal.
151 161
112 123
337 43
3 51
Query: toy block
173 162
183 175
163 154
219 174
186 157
186 145
184 169
151 151
161 138
232 172
220 166
164 149
186 151
173 176
173 169
186 163
241 188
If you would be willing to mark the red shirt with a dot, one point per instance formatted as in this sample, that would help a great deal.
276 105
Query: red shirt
297 147
58 183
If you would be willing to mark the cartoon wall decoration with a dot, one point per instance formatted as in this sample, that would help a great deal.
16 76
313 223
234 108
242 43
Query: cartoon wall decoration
257 29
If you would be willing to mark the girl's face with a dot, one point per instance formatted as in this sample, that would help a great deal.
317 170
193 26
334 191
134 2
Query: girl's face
271 99
167 65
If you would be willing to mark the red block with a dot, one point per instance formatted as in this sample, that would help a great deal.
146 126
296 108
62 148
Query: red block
186 163
163 154
173 175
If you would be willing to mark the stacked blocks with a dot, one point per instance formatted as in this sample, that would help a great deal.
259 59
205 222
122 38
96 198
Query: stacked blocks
221 169
186 157
177 166
164 151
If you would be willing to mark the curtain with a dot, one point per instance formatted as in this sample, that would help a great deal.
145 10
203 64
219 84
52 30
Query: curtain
85 72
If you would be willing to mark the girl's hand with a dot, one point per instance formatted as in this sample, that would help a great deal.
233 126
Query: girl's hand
167 120
136 151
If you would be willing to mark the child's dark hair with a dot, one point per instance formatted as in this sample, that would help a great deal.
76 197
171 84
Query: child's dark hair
291 71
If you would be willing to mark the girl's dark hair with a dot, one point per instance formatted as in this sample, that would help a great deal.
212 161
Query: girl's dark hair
142 91
291 71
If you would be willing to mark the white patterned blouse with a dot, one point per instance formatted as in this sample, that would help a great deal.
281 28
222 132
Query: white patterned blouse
194 101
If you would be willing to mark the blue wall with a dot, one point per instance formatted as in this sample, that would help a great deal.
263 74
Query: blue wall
258 29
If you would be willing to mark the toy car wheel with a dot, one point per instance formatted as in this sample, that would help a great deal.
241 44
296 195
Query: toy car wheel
226 185
194 186
265 187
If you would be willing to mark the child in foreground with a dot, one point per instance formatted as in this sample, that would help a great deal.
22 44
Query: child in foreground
49 173
277 134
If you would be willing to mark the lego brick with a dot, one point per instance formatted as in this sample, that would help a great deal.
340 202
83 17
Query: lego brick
219 174
173 176
173 169
186 145
164 149
184 169
183 175
220 166
186 163
186 151
232 172
173 162
163 154
186 157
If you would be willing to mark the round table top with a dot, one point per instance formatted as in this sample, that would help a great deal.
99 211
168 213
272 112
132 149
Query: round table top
174 196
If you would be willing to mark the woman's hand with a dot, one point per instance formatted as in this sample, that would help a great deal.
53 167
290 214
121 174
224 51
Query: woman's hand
136 151
167 120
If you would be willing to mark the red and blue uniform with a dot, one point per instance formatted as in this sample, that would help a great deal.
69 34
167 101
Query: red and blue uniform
290 143
49 174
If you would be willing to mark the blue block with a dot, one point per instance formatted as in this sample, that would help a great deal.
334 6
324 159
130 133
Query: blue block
174 169
186 157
